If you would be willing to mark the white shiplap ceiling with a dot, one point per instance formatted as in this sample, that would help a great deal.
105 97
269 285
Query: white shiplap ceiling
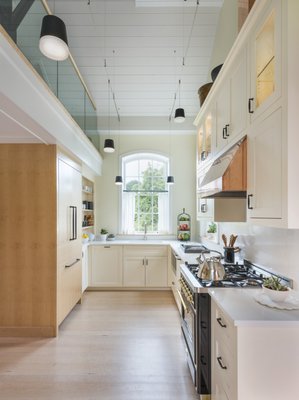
140 45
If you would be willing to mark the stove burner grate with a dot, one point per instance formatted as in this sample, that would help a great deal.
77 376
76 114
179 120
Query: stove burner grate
236 275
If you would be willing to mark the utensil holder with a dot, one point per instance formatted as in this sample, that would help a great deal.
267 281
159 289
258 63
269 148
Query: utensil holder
229 255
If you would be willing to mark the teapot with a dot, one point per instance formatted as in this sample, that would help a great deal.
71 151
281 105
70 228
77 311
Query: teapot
210 269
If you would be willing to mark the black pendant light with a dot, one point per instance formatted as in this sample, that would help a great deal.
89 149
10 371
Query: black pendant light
170 180
109 146
53 39
179 115
118 180
109 143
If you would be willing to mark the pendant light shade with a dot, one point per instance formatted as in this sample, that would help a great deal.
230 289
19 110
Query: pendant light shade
170 180
179 115
53 39
118 180
109 146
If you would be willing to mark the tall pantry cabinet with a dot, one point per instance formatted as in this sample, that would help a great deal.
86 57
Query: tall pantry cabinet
40 267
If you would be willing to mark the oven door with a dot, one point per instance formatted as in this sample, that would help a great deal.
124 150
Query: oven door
188 325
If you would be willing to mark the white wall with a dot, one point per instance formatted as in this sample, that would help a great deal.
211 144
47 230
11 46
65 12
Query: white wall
183 152
273 248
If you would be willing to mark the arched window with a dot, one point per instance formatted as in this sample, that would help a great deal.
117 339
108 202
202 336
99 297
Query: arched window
145 197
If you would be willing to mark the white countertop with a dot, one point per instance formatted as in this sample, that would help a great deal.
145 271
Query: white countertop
175 245
242 308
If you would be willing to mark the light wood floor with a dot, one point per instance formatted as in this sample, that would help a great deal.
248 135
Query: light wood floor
114 346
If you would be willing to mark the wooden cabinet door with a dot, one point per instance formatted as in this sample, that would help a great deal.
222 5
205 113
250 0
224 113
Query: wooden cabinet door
106 266
156 271
134 271
265 168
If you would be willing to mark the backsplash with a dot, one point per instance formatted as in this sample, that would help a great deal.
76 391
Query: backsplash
273 248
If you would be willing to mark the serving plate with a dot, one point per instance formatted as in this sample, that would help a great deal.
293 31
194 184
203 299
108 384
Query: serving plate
291 303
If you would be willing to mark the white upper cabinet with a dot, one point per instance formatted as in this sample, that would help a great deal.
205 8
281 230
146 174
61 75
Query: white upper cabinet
265 56
257 94
273 134
265 187
231 114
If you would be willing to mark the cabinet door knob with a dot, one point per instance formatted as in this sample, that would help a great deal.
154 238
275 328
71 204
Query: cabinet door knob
224 132
250 108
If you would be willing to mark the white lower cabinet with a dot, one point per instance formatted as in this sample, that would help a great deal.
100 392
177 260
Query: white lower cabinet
224 348
145 266
253 360
106 268
84 267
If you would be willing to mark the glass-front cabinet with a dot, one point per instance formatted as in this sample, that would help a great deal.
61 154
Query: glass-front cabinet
266 58
204 139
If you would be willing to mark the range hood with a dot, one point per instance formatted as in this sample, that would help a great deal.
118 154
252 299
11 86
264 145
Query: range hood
227 176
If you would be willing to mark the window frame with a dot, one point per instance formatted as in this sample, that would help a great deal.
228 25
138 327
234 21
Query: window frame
139 155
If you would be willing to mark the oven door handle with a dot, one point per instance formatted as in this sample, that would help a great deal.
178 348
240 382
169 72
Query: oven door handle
182 300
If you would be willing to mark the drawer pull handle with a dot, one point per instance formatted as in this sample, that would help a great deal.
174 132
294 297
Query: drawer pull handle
219 320
219 359
73 263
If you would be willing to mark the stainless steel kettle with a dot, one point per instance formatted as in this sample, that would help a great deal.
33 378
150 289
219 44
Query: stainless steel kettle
210 269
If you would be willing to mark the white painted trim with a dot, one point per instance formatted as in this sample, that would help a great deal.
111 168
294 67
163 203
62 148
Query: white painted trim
30 94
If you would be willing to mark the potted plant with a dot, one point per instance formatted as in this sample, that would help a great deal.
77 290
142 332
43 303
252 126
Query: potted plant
274 289
212 231
103 235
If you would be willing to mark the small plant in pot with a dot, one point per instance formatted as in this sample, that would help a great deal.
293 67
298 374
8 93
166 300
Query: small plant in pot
103 234
212 231
274 289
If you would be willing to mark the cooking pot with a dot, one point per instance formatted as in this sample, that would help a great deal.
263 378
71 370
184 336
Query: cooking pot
210 269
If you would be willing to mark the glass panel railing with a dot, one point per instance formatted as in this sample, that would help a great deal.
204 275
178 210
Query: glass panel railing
61 77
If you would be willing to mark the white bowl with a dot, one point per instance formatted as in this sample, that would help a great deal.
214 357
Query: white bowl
276 295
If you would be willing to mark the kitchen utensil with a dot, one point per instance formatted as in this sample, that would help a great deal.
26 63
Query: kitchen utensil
233 240
230 241
210 269
224 238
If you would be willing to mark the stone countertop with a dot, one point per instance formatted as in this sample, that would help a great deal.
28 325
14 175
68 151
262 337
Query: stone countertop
242 308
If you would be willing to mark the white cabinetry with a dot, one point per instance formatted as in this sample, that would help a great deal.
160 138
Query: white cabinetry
256 94
266 59
106 266
246 361
265 174
231 113
84 267
224 353
273 133
145 266
69 242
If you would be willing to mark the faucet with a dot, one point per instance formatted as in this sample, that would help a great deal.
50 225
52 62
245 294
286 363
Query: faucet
145 232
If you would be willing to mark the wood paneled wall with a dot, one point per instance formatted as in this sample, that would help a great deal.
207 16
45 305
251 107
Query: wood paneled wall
28 240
